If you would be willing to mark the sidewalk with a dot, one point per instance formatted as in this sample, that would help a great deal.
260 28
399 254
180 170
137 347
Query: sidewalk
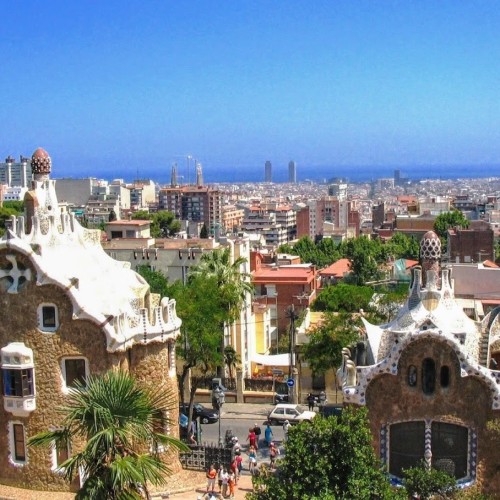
246 410
244 486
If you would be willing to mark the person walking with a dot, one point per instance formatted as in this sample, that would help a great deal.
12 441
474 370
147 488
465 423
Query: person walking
273 453
225 479
252 460
252 438
211 475
231 482
268 434
257 432
239 463
286 426
310 401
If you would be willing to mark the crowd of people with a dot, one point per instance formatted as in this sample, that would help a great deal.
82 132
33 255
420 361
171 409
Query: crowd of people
226 477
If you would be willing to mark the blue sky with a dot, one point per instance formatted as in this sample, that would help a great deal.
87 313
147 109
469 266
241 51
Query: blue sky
118 84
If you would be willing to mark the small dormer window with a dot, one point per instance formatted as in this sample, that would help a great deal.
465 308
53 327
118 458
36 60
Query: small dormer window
48 320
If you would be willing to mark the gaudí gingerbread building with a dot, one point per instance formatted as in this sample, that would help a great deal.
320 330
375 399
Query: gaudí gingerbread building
427 381
67 310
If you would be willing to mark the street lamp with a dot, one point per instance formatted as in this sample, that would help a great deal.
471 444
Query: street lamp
219 399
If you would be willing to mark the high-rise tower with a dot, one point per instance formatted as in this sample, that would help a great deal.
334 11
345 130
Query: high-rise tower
268 176
199 175
292 172
173 178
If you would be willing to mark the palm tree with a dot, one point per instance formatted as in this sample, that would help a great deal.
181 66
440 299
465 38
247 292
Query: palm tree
231 359
233 284
122 426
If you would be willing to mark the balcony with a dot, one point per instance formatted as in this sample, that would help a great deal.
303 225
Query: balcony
19 406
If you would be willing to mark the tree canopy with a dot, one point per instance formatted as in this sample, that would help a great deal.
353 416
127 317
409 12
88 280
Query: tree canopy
329 458
163 222
365 254
8 209
324 349
343 297
444 221
117 419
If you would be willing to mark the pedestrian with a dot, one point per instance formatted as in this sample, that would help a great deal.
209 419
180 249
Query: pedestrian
219 477
273 452
239 463
236 447
268 434
234 469
211 475
191 438
225 479
252 438
310 401
286 426
252 460
231 482
257 431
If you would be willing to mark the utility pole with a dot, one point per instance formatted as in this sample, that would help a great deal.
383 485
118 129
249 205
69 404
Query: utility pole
291 368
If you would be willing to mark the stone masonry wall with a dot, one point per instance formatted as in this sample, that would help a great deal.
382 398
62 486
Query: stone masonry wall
78 338
466 401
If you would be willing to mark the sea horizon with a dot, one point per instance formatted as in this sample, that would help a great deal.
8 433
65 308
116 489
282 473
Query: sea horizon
321 173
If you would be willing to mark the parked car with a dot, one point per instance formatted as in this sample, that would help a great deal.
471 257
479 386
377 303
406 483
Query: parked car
280 398
206 415
330 410
293 413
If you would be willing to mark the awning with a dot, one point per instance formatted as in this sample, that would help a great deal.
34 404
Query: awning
271 359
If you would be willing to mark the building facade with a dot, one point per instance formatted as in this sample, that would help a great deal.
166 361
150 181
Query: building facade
427 381
69 311
16 173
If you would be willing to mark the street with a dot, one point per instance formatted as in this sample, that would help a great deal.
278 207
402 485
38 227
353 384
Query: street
240 427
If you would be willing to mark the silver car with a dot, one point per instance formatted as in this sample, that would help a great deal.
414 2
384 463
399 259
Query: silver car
293 413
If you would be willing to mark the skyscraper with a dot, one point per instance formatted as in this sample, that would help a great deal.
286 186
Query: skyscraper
268 176
292 172
173 177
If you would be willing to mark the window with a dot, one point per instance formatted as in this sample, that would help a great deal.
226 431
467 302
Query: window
17 443
445 376
428 376
48 318
406 446
74 370
412 376
60 453
18 383
448 447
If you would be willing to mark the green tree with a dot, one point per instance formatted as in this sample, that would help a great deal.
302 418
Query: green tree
444 221
402 246
158 282
323 351
199 344
329 458
163 222
365 256
118 419
389 301
7 210
204 232
233 286
231 359
343 297
428 483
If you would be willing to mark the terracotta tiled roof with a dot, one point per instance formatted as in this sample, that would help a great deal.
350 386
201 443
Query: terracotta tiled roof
338 269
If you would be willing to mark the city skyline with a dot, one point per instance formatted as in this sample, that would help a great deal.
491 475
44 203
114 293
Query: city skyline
235 84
